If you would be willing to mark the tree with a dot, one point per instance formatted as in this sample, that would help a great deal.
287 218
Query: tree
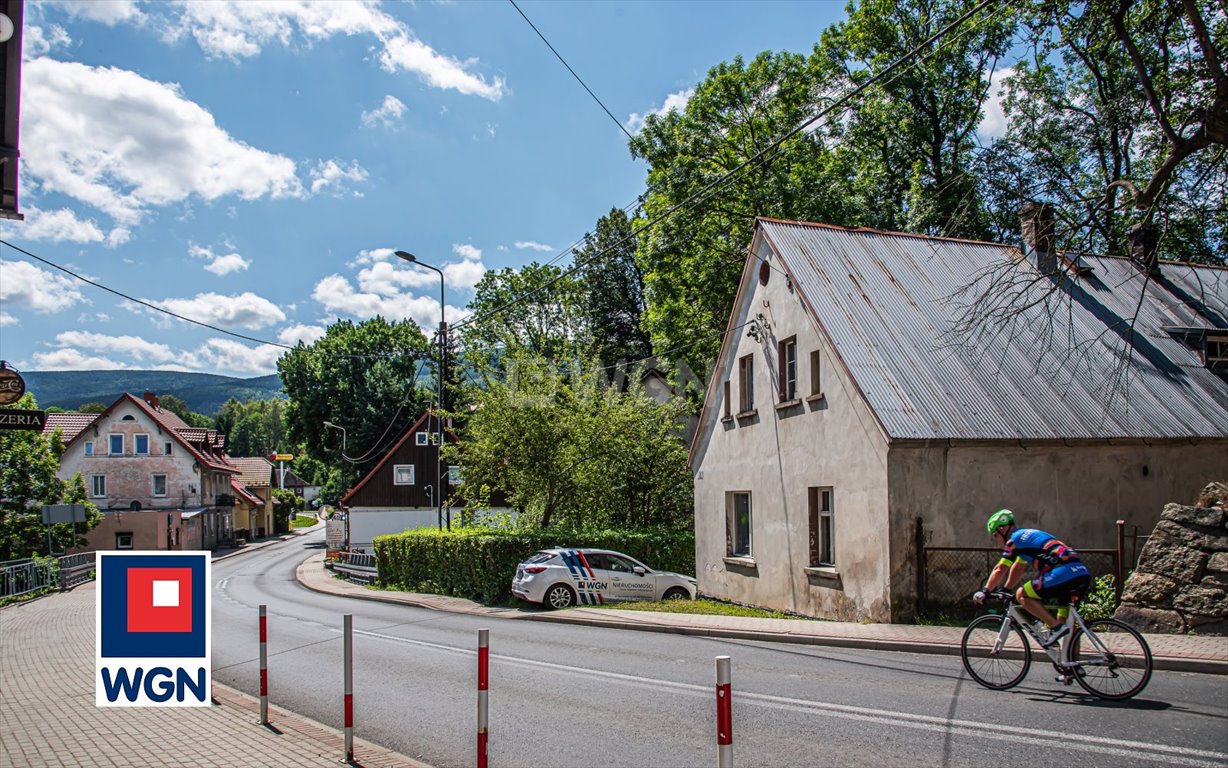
178 407
361 377
613 292
570 451
28 465
92 408
253 428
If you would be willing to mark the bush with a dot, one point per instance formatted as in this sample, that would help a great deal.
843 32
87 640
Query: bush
1101 601
478 563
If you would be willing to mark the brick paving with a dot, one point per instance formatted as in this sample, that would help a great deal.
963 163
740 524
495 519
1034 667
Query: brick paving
48 716
1185 653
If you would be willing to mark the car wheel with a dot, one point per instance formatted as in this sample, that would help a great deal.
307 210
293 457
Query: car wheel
676 593
559 596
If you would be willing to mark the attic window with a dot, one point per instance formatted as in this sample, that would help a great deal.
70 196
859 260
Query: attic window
129 417
1215 351
765 272
422 438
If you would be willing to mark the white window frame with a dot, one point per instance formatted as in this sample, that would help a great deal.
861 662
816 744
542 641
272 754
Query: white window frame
111 443
89 447
95 482
119 540
788 369
823 523
154 485
396 471
136 444
734 546
422 438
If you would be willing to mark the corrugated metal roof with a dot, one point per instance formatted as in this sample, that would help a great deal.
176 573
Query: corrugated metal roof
953 339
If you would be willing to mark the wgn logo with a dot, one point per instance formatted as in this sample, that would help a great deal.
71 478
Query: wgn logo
153 619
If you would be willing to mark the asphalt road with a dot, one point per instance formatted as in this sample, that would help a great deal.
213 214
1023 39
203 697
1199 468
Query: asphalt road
564 695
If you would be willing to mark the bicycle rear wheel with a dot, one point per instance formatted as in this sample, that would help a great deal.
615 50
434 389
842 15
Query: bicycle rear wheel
1118 671
1001 669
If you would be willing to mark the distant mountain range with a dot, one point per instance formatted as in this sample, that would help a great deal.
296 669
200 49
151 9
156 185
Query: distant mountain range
203 392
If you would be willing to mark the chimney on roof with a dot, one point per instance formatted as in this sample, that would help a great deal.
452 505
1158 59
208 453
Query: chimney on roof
1036 221
1143 240
151 398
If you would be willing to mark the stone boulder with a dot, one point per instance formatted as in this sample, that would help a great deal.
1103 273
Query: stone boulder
1181 582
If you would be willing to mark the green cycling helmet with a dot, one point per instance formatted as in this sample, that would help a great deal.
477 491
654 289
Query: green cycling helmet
998 519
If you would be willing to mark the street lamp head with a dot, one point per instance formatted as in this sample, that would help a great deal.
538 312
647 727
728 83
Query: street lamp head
406 255
330 424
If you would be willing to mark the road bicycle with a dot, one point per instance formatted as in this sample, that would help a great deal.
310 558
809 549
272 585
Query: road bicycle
1109 658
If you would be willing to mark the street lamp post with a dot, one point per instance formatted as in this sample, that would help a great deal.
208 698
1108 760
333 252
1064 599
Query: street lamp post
334 426
443 341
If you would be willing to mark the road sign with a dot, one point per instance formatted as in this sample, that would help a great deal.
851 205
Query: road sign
63 513
283 457
12 386
11 418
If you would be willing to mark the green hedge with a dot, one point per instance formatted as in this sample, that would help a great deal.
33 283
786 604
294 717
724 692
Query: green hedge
478 563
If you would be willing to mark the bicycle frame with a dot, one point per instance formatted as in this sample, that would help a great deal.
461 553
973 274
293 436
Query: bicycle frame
1059 654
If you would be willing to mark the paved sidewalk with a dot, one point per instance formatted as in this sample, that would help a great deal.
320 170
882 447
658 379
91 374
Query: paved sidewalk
48 716
1182 653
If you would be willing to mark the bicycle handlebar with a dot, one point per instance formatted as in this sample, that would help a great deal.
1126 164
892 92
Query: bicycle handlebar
1000 595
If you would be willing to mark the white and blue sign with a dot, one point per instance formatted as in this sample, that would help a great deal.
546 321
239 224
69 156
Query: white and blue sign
153 630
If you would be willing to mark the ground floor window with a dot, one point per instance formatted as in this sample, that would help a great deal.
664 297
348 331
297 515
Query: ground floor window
822 527
738 517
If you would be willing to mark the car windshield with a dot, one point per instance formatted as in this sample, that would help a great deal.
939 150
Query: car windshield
539 557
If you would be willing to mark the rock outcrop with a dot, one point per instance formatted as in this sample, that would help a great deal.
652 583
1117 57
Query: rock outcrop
1181 582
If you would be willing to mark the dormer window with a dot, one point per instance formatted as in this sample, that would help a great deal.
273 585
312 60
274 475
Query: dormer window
1215 351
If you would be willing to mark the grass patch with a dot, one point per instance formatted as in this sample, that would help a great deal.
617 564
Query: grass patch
701 606
303 521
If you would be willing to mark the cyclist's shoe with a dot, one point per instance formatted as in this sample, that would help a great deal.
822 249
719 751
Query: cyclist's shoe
1053 637
1065 679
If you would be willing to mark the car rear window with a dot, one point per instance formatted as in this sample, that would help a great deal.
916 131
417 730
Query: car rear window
539 557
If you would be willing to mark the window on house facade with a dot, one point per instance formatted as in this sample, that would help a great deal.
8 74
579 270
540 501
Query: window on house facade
123 541
403 474
728 405
128 417
822 527
422 438
159 485
140 445
115 445
168 448
98 486
816 383
738 520
787 360
746 384
1215 351
454 475
89 447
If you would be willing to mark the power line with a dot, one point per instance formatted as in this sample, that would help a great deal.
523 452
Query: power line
621 127
699 194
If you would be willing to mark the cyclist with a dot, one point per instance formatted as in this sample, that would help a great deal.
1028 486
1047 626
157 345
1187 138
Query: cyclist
1061 575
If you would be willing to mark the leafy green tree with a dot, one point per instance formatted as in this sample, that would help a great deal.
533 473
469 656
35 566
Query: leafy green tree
28 465
570 451
178 407
92 408
613 291
360 377
253 428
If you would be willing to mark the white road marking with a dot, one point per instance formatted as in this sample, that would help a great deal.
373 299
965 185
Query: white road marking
1162 753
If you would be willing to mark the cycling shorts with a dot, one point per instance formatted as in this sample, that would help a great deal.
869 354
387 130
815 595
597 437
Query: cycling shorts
1060 583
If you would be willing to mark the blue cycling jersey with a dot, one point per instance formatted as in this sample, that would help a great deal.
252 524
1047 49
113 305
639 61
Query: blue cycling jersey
1035 546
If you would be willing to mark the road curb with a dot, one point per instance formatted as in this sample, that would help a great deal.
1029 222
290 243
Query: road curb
1165 663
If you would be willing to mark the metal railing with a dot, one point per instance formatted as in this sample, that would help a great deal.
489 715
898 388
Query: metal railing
356 566
20 577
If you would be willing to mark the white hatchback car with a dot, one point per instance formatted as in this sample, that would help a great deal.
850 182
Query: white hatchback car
561 578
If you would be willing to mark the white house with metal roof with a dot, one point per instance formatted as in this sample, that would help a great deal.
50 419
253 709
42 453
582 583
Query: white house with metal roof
869 381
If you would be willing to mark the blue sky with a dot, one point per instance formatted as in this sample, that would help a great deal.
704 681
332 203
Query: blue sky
253 164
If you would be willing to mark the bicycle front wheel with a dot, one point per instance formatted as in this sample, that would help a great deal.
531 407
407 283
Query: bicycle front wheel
994 665
1114 664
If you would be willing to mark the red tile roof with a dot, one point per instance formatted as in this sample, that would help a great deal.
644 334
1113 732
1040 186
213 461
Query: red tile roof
254 471
69 424
248 496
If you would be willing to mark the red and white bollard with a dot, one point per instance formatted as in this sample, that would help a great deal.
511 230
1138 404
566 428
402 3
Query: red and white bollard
483 694
349 688
724 714
264 667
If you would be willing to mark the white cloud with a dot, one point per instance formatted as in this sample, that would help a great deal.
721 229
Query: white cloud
133 347
308 334
385 114
82 350
37 41
122 143
109 12
7 319
674 101
24 285
329 174
68 359
467 251
993 123
230 355
339 297
59 226
246 310
436 70
219 264
532 246
464 275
